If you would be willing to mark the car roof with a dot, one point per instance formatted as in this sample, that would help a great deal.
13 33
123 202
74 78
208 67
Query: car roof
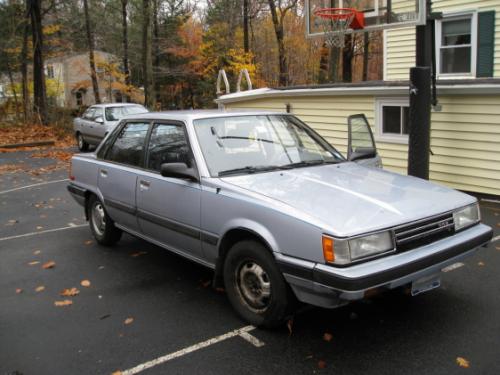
115 105
198 114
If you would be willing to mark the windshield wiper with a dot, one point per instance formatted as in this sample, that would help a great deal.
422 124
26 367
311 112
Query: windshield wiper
307 163
250 169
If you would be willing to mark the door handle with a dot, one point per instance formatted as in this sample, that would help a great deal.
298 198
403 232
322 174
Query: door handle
144 185
104 173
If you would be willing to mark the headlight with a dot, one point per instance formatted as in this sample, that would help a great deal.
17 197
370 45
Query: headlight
466 216
346 251
372 244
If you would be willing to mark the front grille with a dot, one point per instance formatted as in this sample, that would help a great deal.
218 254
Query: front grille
423 232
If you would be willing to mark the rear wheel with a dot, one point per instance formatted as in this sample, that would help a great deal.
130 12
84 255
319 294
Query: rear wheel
82 145
255 286
101 225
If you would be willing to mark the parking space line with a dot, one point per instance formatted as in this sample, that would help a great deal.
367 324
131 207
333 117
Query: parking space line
33 185
251 339
42 232
155 362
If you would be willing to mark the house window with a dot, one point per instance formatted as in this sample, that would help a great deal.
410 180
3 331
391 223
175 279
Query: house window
50 71
456 45
392 120
79 98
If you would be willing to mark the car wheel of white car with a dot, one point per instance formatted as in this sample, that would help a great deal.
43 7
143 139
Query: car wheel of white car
255 286
101 225
82 145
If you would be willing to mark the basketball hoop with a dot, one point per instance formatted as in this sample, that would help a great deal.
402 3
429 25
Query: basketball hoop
336 21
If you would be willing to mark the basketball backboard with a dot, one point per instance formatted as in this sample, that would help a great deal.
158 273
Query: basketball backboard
378 14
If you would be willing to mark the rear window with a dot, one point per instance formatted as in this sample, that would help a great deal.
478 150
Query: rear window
118 112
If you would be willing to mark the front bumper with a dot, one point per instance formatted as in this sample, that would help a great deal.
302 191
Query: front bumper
327 286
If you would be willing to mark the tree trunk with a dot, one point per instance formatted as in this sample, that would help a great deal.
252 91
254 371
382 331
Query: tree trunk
125 46
366 46
156 50
347 59
40 94
14 91
90 42
24 63
146 56
279 31
246 40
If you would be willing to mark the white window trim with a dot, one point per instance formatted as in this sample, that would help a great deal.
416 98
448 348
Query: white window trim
379 113
472 14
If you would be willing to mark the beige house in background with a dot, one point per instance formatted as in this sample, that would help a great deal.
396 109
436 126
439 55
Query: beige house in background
69 83
465 128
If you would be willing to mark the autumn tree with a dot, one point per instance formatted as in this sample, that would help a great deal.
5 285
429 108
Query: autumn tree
279 9
90 43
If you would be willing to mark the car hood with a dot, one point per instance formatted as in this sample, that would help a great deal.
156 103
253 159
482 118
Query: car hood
350 199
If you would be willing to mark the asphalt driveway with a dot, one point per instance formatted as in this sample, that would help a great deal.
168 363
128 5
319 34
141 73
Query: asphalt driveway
142 309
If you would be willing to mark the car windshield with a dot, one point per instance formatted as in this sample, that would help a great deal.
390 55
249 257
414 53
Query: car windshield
253 143
116 113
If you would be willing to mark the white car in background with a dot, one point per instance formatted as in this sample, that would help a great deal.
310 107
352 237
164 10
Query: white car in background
100 119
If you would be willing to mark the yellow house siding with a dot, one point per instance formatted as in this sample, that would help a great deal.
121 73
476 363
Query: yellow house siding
465 135
400 43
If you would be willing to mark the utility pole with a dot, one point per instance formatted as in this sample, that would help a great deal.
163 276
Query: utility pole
420 100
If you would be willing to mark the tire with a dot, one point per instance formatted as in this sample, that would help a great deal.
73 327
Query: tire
255 286
82 145
101 225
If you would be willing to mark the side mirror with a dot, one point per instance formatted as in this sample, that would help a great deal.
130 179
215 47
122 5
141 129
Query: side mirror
362 153
99 120
178 170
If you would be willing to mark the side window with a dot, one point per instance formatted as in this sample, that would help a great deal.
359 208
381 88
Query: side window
129 145
168 144
97 113
89 113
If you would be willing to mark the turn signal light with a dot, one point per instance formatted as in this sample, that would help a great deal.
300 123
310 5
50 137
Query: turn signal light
328 249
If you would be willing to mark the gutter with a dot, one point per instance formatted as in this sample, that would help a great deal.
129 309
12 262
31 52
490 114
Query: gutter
398 88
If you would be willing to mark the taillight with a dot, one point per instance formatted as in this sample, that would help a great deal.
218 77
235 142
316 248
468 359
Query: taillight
71 177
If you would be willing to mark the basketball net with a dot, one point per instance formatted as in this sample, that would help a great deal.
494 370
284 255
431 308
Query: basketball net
335 22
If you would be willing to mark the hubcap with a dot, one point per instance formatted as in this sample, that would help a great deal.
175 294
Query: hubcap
254 286
80 141
98 218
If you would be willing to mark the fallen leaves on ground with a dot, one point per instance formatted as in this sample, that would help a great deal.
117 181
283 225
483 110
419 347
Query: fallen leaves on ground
48 265
321 364
85 283
33 132
138 254
36 252
327 336
206 283
69 292
39 289
128 321
462 362
497 247
65 302
11 222
59 155
19 290
39 227
117 373
480 264
12 168
34 263
88 242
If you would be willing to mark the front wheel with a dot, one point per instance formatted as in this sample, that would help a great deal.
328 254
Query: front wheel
101 225
255 286
82 145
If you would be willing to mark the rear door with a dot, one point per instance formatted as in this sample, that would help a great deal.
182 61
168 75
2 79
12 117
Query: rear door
361 145
117 177
168 209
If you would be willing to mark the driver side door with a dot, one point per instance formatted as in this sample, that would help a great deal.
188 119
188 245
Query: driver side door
361 146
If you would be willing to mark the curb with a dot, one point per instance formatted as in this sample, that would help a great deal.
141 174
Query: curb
29 144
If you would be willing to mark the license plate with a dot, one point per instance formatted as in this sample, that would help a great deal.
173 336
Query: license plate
424 284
